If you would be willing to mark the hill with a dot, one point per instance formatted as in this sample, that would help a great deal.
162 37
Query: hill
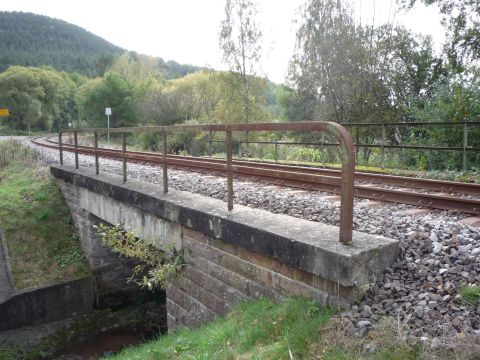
35 40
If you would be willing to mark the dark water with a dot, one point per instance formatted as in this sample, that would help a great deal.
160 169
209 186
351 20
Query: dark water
106 343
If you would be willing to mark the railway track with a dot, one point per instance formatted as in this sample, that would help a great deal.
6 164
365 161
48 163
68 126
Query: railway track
447 195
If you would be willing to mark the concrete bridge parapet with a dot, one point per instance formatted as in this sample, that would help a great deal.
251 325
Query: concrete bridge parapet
231 255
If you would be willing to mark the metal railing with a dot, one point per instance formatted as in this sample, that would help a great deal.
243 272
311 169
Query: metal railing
345 142
382 143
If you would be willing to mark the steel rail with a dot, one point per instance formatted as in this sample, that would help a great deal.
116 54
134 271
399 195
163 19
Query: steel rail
316 179
217 164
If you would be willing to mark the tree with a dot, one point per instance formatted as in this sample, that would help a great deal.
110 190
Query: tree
454 100
111 91
346 72
463 20
411 70
240 43
38 98
336 67
141 70
352 73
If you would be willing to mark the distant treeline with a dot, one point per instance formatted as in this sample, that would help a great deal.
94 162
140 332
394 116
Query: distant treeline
34 40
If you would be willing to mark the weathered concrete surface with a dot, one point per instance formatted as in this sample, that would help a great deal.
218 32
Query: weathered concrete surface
111 274
46 304
231 255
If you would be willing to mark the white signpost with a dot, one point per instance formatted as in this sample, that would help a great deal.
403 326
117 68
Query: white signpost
108 112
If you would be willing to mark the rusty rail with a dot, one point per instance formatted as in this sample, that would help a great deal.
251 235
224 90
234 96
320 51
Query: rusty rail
347 155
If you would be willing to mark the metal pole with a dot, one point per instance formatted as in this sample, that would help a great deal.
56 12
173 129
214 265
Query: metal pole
210 143
124 156
97 167
165 174
60 147
465 144
75 140
108 127
357 141
229 171
383 146
347 188
276 147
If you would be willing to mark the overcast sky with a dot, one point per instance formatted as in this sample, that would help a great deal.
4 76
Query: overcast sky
187 30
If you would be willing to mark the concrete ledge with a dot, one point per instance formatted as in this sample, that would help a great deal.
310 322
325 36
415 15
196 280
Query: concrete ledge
310 246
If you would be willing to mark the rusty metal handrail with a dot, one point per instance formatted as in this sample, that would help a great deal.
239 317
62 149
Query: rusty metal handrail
347 155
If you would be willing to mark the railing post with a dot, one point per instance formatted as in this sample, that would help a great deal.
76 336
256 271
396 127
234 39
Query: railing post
347 187
75 141
357 141
60 147
165 174
465 144
95 144
276 146
210 143
124 156
383 146
229 171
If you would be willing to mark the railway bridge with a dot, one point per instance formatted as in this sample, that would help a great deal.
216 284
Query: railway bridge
231 253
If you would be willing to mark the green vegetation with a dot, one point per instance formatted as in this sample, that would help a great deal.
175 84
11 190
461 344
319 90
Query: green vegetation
35 40
40 237
293 329
9 351
470 294
37 98
256 329
154 267
8 131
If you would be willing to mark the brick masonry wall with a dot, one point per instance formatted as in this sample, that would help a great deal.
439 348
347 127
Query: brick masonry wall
219 274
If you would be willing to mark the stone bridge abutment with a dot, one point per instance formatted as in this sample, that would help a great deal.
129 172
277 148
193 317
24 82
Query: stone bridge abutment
230 255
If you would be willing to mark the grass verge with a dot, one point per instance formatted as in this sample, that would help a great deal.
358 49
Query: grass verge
255 329
40 237
260 329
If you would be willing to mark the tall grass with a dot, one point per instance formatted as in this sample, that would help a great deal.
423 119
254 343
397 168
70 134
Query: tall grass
13 150
40 237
